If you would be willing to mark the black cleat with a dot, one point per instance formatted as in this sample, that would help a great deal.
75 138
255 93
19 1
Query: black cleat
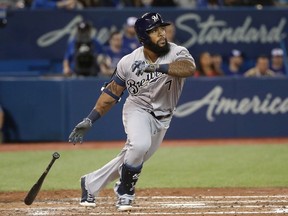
87 200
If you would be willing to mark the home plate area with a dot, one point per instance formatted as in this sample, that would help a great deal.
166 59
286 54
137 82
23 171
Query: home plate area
174 205
158 205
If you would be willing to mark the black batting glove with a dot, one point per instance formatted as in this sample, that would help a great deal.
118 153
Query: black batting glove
79 131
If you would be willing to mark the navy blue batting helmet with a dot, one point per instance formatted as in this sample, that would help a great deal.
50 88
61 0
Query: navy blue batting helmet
146 23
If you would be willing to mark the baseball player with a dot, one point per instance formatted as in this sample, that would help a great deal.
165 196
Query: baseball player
154 76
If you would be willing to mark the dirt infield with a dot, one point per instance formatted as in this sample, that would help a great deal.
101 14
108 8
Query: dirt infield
233 201
189 201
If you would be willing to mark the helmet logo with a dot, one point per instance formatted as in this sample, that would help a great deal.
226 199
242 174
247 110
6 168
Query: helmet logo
155 17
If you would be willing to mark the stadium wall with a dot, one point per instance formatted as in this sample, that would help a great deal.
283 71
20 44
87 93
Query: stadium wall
39 109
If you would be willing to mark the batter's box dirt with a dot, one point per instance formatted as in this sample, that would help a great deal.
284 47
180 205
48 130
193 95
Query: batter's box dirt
225 201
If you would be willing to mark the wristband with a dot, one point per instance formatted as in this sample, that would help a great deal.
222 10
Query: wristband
163 68
93 116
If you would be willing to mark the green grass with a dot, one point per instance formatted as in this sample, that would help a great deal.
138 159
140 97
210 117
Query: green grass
200 166
214 166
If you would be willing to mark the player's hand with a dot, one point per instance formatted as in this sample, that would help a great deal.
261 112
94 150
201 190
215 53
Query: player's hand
78 132
140 67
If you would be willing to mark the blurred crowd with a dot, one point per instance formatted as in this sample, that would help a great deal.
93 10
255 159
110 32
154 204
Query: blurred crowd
86 56
80 4
272 65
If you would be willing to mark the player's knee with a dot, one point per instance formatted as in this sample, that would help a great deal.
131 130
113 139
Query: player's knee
139 152
135 154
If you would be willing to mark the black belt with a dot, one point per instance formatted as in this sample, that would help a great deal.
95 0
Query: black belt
159 117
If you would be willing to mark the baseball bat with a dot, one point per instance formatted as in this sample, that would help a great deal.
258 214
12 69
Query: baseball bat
31 195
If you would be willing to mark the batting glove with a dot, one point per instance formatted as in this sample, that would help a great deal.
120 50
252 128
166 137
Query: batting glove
78 132
140 67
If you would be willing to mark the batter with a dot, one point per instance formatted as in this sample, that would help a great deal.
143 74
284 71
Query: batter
154 75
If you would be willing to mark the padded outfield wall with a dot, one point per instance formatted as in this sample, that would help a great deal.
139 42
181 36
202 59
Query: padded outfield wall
47 109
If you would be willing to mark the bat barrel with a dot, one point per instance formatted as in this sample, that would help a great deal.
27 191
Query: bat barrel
30 197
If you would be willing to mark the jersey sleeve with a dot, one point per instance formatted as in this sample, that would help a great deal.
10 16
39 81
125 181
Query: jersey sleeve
120 74
181 53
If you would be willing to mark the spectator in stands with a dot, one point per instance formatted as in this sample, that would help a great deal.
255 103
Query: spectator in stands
113 53
131 3
28 3
12 4
130 40
163 3
281 3
150 3
248 3
277 61
209 3
186 3
217 62
205 66
100 3
143 3
235 63
56 4
1 124
261 68
82 53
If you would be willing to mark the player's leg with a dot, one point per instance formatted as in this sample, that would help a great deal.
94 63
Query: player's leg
130 175
93 182
139 133
137 153
159 129
138 128
155 144
97 180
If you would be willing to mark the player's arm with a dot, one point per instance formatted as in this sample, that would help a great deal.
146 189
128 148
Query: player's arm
182 68
110 96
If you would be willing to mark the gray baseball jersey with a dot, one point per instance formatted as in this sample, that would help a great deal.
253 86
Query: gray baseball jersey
150 92
156 92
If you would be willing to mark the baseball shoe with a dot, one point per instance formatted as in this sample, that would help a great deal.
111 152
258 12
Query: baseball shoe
87 199
124 202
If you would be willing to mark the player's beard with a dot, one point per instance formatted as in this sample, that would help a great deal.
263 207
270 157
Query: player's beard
160 51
